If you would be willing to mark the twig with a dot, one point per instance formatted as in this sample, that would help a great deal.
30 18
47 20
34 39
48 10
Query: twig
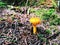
37 42
25 41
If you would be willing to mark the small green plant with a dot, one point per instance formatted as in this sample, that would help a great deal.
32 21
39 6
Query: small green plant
2 4
48 31
41 37
48 14
55 22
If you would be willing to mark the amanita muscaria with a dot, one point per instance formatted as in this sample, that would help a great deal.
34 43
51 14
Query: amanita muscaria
35 21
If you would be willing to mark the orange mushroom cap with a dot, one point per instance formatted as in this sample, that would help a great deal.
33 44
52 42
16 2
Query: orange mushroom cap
35 20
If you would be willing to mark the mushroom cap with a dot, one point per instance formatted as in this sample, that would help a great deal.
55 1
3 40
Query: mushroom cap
35 20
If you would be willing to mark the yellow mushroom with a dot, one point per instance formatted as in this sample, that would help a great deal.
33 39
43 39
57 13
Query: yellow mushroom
35 21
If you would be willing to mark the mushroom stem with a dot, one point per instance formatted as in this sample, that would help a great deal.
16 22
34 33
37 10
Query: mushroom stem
34 30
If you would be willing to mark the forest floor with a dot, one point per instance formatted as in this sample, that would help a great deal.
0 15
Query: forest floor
21 34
